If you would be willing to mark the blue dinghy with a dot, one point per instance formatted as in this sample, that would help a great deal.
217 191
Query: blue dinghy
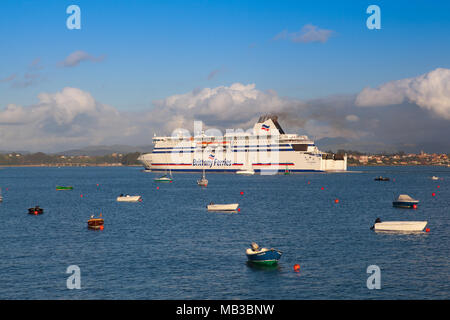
258 255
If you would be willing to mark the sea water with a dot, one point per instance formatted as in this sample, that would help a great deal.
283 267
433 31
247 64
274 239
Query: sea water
170 247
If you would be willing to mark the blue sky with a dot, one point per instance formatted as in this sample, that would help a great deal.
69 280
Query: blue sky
139 52
159 48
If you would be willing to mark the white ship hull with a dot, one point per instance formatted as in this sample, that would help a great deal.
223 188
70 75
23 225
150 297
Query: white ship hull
268 150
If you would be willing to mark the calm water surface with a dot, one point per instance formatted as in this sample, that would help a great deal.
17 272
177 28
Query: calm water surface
170 247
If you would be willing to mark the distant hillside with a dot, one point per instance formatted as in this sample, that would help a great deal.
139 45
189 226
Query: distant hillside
96 151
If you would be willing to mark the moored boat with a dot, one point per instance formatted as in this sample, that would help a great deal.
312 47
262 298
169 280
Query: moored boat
163 178
202 182
64 188
405 201
380 178
35 210
399 226
434 178
222 207
96 223
246 172
128 198
258 255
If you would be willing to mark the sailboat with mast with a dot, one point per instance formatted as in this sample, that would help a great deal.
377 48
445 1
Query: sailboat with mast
203 182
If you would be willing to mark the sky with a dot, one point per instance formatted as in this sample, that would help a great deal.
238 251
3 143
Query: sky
151 66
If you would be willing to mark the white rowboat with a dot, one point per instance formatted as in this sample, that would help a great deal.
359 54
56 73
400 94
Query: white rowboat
129 198
223 207
401 226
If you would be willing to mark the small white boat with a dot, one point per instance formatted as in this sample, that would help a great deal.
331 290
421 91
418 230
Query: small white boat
434 178
222 207
264 256
246 172
128 198
399 226
405 201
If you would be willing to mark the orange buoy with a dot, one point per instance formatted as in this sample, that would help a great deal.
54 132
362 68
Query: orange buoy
427 230
101 227
296 267
336 200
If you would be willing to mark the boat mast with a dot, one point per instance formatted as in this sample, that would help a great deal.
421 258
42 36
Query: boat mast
203 163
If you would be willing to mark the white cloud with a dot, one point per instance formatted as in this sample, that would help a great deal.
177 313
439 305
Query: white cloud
9 78
61 120
352 118
430 91
73 118
213 74
224 107
76 57
308 33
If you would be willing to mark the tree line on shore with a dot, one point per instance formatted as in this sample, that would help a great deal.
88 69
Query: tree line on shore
40 158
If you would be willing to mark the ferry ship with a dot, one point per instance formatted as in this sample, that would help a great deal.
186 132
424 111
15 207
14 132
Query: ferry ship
267 149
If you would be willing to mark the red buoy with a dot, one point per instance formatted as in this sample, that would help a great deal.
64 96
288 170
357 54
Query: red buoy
433 194
157 188
322 188
336 200
296 267
239 209
427 230
309 182
438 186
81 196
414 206
242 193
